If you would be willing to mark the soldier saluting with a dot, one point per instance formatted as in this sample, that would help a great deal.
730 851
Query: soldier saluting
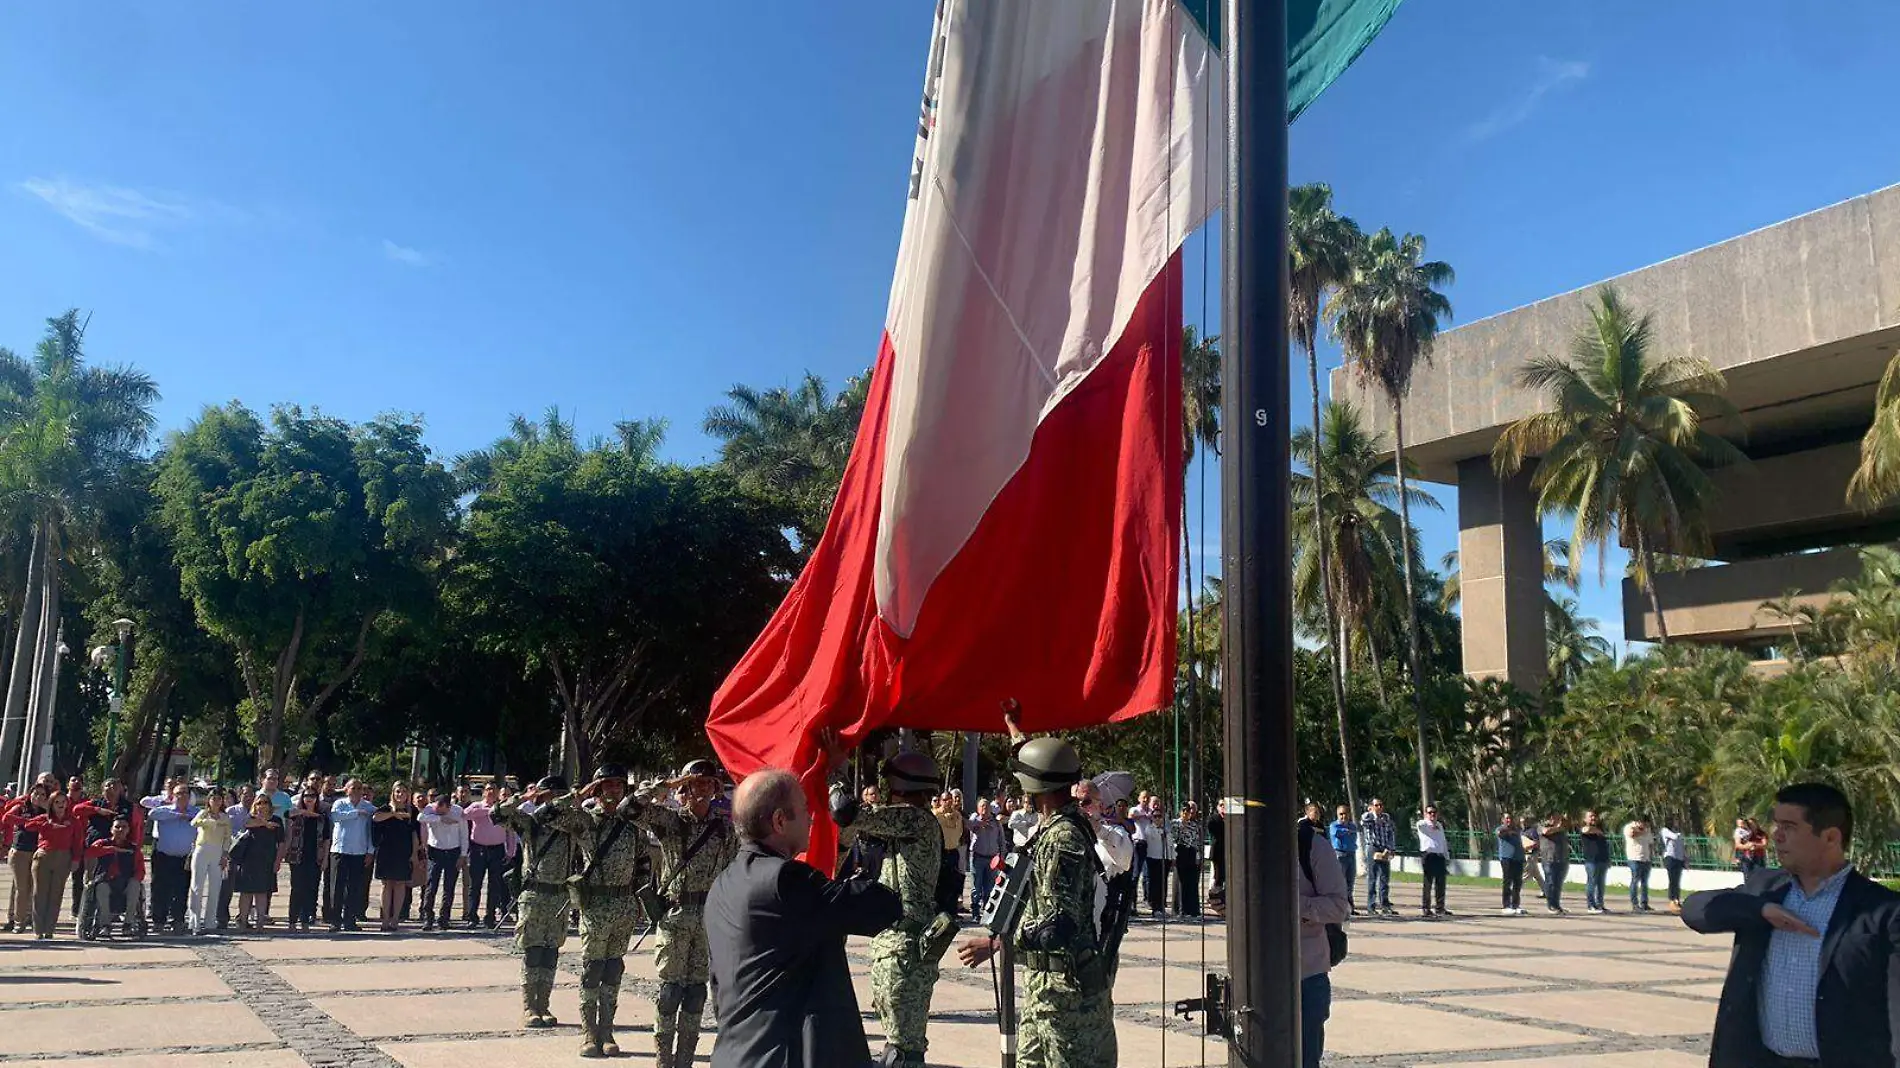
1068 1016
904 965
696 844
541 918
610 849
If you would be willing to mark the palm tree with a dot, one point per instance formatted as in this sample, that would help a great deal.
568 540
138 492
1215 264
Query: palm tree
1200 426
1877 480
1623 442
1573 641
791 445
1794 615
66 432
1386 315
1347 481
1557 572
1320 248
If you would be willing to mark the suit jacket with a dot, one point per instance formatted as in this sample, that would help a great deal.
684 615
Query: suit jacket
1856 1006
776 931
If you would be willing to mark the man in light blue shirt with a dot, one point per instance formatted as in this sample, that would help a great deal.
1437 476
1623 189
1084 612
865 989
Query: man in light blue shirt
1812 981
280 799
350 854
171 855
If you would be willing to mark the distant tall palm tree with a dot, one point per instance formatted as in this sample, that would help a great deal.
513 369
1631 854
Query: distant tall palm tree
1622 441
1573 641
1356 490
1877 480
1320 248
67 430
791 445
1387 315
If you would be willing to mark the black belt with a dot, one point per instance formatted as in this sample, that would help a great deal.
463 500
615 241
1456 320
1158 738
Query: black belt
1776 1060
603 892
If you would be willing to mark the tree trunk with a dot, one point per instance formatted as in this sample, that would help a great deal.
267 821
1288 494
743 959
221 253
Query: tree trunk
39 711
25 640
1649 575
1334 655
140 732
1411 602
1378 666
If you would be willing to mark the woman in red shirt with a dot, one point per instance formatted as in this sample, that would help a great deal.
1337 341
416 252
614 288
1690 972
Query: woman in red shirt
61 838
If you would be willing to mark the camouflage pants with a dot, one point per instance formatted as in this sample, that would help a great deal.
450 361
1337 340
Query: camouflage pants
1061 1027
901 984
680 955
540 931
608 922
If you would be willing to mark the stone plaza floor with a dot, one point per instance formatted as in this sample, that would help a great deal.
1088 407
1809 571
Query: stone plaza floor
1618 991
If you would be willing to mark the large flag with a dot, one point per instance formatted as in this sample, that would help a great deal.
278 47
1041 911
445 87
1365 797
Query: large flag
1008 524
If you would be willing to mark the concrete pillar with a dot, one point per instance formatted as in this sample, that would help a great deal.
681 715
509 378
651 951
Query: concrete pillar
1501 575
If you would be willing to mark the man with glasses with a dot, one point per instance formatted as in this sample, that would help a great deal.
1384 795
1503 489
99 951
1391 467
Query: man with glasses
1381 841
1434 853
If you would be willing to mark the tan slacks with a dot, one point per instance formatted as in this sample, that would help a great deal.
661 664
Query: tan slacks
20 908
50 871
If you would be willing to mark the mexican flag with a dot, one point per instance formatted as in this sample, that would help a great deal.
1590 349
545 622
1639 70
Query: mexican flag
1009 522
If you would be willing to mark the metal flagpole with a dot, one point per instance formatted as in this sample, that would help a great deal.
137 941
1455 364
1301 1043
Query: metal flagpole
1257 693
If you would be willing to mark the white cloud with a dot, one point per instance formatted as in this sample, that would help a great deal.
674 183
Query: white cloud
1552 74
403 254
111 213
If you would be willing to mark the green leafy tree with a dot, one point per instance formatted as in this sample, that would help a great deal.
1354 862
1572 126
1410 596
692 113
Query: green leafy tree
790 446
67 430
1622 441
295 539
1386 316
631 586
1877 480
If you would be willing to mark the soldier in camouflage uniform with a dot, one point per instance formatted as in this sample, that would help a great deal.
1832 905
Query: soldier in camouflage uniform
1067 1016
679 950
541 919
610 849
903 973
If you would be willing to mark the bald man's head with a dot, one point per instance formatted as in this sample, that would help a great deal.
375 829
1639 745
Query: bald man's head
769 808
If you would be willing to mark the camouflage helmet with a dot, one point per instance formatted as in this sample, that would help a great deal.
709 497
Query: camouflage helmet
1045 764
611 771
699 769
553 783
912 773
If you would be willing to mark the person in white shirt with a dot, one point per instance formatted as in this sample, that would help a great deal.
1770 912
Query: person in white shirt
445 831
1022 821
1434 853
1675 852
1116 850
1151 824
1639 845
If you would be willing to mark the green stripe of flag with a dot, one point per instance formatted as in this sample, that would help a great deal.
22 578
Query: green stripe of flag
1323 38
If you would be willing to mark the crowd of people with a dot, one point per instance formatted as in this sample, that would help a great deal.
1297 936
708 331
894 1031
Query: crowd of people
213 847
1540 850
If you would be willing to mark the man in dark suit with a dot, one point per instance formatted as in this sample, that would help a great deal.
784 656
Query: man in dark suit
1814 981
776 928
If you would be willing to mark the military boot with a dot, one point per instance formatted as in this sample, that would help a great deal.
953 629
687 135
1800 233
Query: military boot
544 989
604 1025
590 1031
530 1012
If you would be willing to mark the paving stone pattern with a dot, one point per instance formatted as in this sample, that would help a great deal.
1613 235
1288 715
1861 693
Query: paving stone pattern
1615 991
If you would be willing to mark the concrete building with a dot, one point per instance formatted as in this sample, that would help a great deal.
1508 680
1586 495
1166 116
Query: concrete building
1802 317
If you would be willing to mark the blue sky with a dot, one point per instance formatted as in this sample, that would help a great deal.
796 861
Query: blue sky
472 209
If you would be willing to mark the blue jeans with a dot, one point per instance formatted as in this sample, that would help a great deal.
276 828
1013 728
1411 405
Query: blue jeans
1554 882
1316 1004
1639 884
1594 872
1348 866
1378 884
981 876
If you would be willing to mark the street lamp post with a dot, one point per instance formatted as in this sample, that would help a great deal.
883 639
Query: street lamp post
116 701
